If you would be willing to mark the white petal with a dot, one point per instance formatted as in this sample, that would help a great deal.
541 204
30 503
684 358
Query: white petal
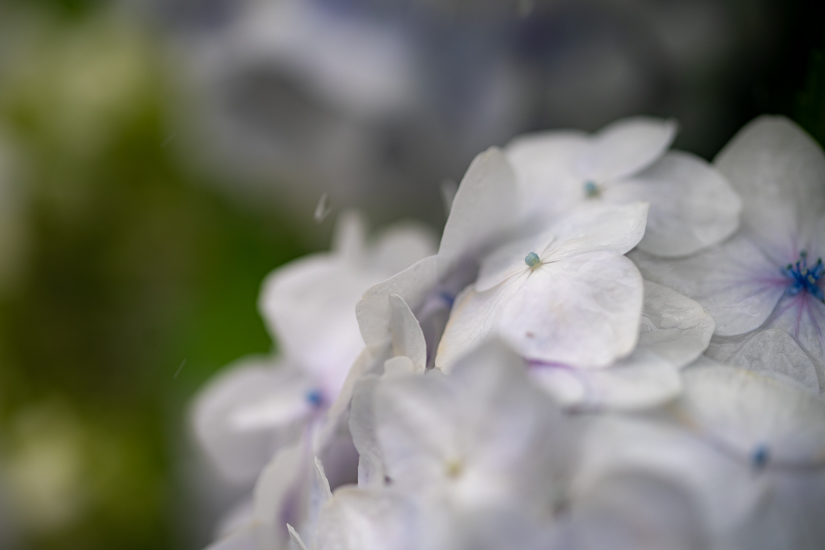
625 147
412 285
349 237
639 381
296 538
282 495
368 361
400 366
362 424
483 433
368 519
473 320
544 165
484 209
400 246
407 338
734 281
619 445
633 510
750 414
692 206
249 412
583 311
587 228
770 352
309 305
777 169
673 326
596 227
508 260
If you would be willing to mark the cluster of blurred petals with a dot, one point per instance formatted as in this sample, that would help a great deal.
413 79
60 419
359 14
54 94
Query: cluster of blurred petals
613 345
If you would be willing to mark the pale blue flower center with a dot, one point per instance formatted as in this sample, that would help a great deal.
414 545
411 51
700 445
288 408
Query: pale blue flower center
532 259
760 456
591 189
315 398
805 278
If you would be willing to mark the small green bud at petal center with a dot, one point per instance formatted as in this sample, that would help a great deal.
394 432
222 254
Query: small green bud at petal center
591 189
532 259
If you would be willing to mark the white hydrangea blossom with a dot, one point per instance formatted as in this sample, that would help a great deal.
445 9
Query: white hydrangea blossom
767 275
526 387
263 404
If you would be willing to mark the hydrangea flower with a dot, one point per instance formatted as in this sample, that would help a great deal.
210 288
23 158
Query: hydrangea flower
481 437
464 450
767 276
691 204
246 414
673 332
484 214
565 296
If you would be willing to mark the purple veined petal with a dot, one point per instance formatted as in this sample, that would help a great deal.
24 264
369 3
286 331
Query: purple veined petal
692 206
624 148
767 351
734 281
803 317
777 169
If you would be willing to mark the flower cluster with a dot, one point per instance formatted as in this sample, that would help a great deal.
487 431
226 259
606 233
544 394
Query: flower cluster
614 345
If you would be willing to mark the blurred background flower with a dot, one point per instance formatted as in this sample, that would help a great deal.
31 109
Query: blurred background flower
159 157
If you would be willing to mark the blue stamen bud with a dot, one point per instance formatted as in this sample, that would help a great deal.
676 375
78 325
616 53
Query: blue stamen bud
802 278
532 259
760 456
591 189
315 398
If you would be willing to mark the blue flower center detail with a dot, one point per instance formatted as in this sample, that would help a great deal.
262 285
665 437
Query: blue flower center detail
315 398
805 278
760 456
591 189
532 259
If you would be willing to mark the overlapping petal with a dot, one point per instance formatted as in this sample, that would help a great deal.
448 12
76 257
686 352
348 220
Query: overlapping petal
625 147
777 169
759 419
692 206
581 311
735 282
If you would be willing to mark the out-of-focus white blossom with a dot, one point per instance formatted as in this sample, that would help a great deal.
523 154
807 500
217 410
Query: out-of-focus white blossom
260 405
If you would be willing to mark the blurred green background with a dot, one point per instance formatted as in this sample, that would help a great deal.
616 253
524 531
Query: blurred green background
127 277
118 264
